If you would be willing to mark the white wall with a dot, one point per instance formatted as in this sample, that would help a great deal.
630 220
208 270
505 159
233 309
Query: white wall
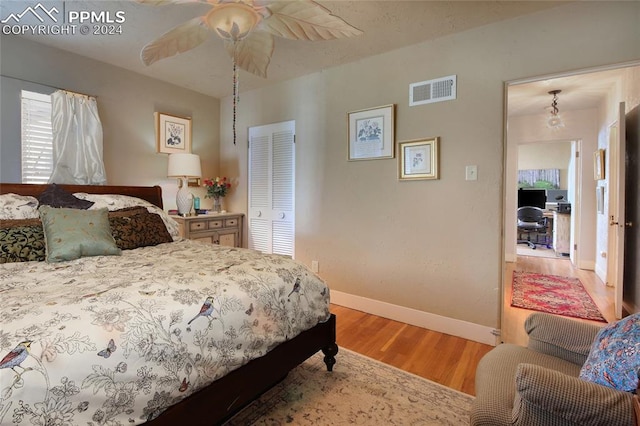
429 246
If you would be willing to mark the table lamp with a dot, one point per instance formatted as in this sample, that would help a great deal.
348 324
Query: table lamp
183 167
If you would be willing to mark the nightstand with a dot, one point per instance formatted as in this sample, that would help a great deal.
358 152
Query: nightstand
218 228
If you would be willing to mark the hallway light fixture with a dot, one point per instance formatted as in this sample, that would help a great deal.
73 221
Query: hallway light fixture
554 121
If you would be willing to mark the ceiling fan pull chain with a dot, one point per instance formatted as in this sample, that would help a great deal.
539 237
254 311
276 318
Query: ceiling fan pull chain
235 95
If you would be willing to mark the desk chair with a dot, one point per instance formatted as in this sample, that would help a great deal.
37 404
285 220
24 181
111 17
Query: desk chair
531 220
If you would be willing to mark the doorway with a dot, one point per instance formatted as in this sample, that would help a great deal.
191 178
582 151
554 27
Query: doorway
548 166
584 107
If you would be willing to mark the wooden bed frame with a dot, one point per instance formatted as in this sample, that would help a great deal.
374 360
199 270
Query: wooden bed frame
225 397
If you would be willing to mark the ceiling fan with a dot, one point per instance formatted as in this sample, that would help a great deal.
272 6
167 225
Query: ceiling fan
248 28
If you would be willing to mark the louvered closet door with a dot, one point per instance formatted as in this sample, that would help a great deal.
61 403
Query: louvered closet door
272 188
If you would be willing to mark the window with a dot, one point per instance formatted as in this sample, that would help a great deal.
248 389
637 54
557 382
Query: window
37 137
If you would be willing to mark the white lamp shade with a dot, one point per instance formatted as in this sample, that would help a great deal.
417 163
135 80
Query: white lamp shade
184 165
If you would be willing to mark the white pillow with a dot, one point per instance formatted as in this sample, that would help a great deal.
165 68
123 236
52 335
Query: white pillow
117 201
14 206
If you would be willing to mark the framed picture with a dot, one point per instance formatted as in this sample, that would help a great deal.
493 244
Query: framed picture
598 164
418 159
371 133
173 134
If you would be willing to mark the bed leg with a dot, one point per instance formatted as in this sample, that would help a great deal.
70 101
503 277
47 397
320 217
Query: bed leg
330 353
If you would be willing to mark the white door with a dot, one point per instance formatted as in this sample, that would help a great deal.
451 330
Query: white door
271 188
574 173
617 150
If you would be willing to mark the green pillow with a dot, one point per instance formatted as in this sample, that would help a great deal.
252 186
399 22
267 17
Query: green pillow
70 233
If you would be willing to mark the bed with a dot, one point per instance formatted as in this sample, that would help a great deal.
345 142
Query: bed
109 339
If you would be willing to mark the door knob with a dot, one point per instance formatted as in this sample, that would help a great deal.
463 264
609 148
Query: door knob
259 213
281 215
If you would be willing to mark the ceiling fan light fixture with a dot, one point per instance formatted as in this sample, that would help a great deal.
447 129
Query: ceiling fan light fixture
232 21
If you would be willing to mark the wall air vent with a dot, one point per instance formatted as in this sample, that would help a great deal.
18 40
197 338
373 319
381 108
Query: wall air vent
430 91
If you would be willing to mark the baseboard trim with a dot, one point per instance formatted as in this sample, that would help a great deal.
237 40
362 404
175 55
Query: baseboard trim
454 327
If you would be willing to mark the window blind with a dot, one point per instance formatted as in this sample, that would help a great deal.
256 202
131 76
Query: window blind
37 137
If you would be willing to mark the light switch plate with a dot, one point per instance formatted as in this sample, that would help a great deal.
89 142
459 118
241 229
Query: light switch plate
471 173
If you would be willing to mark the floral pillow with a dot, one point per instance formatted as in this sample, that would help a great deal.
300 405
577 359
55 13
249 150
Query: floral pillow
116 202
614 359
14 206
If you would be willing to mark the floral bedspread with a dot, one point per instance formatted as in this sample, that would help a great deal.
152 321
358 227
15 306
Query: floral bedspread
114 340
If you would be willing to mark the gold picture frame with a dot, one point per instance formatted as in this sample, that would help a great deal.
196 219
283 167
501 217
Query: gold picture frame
598 164
371 133
173 133
418 159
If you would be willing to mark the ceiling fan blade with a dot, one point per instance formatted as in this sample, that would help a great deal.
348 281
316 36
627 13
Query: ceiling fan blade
306 20
253 54
177 40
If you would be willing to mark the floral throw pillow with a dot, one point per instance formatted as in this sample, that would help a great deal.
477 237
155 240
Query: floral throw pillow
614 358
116 202
14 206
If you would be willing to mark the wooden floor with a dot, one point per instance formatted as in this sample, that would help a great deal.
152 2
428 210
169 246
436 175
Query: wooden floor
513 318
449 360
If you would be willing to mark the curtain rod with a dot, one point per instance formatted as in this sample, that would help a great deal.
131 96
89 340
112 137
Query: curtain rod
53 87
71 92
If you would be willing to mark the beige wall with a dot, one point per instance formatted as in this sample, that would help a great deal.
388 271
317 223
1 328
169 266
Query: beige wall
432 246
126 103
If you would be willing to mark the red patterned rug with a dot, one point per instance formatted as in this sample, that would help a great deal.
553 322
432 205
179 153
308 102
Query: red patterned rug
553 294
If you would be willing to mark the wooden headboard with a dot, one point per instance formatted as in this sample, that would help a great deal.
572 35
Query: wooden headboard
152 194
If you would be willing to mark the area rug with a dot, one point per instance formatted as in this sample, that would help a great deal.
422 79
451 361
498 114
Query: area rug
359 391
553 294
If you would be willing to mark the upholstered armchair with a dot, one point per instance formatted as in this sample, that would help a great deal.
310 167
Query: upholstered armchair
540 384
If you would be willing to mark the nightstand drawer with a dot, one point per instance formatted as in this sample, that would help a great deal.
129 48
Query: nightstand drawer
197 226
214 224
231 222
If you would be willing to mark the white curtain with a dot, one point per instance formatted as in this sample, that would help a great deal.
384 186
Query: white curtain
77 140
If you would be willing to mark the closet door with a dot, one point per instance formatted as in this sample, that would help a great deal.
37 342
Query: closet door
271 223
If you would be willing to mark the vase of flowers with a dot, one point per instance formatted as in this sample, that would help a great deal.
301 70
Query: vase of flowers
216 189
